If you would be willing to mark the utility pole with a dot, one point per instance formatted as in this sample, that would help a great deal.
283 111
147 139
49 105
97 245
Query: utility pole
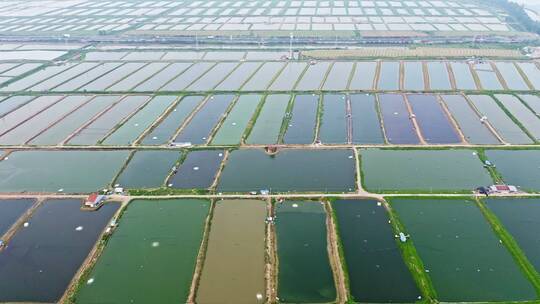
291 36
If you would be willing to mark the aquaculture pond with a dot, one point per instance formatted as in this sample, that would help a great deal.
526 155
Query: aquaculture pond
199 128
518 167
132 129
396 118
413 76
233 127
290 170
61 130
434 124
75 83
288 77
507 129
36 81
487 76
11 210
313 77
338 76
151 256
267 127
234 265
439 78
376 270
12 103
213 77
520 217
105 81
263 77
54 81
389 75
463 76
238 77
333 126
533 101
102 125
301 127
180 82
42 258
148 169
532 72
422 170
127 83
526 117
365 122
473 129
198 170
60 171
511 76
163 77
20 115
304 274
38 123
34 78
465 260
165 130
363 76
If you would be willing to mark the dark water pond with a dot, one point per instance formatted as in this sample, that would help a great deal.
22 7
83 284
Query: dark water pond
41 259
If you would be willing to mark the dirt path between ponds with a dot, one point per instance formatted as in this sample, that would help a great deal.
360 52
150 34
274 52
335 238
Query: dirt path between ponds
335 260
271 264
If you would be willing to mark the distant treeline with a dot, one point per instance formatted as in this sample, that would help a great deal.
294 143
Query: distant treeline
518 13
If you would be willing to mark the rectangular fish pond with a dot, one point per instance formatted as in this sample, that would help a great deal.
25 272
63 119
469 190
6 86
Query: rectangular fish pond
524 115
164 130
301 127
60 171
435 126
460 252
234 265
11 210
131 129
333 126
376 270
363 77
413 76
365 121
267 127
198 170
75 120
397 121
520 168
234 126
199 128
290 170
40 261
463 76
474 131
389 76
304 274
501 122
430 171
439 78
521 218
148 169
152 255
102 125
